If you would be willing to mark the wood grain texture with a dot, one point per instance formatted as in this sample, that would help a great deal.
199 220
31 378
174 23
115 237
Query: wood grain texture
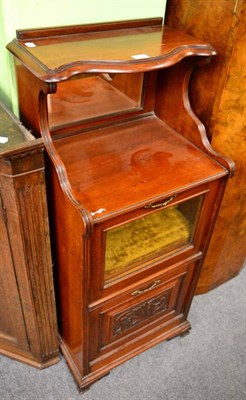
71 269
11 333
228 246
204 20
222 109
132 161
31 206
28 329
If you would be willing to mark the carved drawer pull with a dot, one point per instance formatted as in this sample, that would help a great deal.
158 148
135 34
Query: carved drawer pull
141 291
158 205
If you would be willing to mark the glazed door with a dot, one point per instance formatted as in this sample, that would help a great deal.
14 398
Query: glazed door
135 244
131 245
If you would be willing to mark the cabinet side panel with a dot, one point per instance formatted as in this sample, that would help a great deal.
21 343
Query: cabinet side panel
70 255
29 88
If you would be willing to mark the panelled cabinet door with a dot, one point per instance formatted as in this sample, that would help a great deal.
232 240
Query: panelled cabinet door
12 326
153 306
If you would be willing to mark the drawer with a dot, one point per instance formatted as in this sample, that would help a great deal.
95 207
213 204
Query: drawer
143 310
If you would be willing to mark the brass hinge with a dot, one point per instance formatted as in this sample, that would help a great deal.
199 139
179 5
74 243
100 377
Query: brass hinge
3 209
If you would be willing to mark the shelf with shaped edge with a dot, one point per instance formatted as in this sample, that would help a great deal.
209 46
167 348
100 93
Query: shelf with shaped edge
56 55
129 155
133 183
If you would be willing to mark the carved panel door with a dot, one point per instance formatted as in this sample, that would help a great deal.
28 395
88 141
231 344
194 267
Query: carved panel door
12 327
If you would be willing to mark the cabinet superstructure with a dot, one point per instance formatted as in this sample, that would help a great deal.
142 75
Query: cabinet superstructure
134 185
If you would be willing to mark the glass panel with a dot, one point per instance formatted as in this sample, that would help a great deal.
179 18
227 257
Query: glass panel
91 96
128 245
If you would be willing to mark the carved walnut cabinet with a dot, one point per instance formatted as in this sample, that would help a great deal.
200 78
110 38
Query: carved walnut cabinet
28 327
134 185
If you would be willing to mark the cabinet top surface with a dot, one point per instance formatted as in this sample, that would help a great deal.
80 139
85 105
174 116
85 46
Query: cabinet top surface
13 135
115 168
57 54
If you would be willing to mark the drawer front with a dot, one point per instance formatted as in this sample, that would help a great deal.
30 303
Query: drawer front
143 309
131 315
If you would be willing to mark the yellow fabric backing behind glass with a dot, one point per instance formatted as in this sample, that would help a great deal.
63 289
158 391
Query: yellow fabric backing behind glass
144 237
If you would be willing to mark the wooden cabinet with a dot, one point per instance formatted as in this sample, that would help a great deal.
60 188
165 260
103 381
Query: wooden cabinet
222 108
133 183
28 328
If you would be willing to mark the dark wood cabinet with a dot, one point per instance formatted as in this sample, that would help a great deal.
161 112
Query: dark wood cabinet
133 183
222 108
28 327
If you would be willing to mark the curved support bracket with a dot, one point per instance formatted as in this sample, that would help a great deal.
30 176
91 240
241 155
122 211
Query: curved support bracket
60 167
202 139
173 106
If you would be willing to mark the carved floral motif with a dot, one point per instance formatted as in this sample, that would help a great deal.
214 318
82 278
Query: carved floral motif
136 315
